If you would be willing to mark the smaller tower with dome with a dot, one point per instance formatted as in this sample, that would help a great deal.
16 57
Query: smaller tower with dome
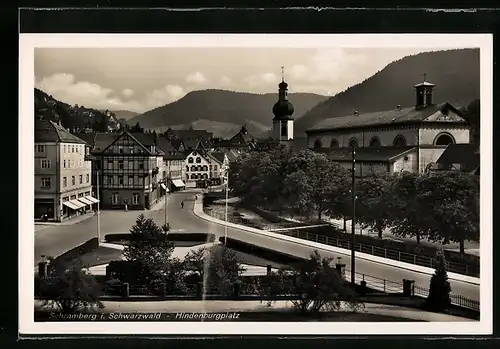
283 111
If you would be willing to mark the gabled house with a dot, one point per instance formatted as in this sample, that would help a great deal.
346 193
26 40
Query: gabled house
174 164
460 157
129 172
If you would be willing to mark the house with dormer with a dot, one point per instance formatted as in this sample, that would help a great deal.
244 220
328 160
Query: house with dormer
129 172
401 139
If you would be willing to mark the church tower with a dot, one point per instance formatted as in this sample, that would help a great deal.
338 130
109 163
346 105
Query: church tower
283 110
424 92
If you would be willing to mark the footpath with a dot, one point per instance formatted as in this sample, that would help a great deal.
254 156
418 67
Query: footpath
198 211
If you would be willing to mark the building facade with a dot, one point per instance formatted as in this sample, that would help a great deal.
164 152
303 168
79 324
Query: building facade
403 139
63 184
197 167
174 158
130 174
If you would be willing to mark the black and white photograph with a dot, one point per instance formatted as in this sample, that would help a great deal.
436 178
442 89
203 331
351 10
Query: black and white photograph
255 184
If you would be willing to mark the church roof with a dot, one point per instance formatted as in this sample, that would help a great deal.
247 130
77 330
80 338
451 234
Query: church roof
366 154
47 131
387 117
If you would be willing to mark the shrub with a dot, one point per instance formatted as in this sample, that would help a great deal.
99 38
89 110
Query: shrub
439 290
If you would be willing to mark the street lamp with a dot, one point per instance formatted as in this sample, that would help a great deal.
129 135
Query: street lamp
98 211
227 191
353 222
167 225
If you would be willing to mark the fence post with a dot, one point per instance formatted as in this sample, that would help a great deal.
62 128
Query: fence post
414 259
337 242
125 289
316 237
399 256
360 247
348 245
385 252
373 250
326 241
307 235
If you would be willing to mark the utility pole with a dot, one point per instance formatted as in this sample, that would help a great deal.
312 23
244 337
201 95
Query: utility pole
353 222
227 192
98 212
166 206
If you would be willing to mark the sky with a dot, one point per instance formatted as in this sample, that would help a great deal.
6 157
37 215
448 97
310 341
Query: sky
140 79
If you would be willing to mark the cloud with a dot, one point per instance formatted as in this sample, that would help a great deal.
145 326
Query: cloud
261 79
224 80
65 88
196 78
164 95
127 93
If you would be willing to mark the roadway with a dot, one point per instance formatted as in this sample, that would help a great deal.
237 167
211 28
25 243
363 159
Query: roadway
58 239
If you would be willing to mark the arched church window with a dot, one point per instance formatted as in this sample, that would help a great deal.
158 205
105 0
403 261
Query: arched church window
399 141
375 142
353 143
317 144
444 139
334 143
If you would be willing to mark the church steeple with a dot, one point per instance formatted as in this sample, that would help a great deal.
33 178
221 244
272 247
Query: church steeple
283 111
424 92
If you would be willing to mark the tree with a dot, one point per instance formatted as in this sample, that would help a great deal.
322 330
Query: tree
136 128
69 286
150 248
321 179
450 203
319 285
407 212
439 289
216 267
472 113
375 202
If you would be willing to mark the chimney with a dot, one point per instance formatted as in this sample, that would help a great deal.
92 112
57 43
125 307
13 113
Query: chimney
398 107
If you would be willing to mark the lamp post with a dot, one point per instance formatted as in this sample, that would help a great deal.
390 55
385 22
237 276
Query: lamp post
166 207
227 191
98 212
353 222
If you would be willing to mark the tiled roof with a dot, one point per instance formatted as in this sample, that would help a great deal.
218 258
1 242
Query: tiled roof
465 154
191 143
145 139
193 134
373 154
219 156
48 131
87 137
176 143
171 153
232 155
103 140
387 117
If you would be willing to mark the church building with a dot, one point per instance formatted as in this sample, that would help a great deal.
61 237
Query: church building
283 120
402 139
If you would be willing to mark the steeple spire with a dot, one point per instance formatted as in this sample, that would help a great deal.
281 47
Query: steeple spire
282 74
425 76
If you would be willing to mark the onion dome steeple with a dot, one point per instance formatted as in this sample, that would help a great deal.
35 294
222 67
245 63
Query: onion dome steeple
283 109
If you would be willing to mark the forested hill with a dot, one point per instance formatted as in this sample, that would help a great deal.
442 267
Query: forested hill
454 72
220 106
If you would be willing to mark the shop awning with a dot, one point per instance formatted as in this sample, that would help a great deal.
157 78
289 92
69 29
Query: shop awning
92 199
70 205
85 201
77 203
178 183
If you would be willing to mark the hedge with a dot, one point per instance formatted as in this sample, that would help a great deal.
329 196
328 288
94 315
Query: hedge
188 237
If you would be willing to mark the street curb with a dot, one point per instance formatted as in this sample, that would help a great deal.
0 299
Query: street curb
375 259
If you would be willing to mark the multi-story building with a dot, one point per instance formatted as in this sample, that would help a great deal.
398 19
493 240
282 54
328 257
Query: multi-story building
130 173
63 187
197 167
219 163
174 158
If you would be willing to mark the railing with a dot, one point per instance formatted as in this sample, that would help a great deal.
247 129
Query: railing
459 268
456 299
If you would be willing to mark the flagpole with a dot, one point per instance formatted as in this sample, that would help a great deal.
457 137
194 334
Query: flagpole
227 191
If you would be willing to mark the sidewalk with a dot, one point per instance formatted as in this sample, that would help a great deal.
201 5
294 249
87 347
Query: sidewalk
67 222
198 211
